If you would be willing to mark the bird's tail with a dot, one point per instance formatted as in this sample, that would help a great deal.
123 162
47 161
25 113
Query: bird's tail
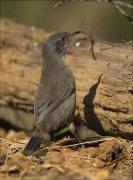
34 143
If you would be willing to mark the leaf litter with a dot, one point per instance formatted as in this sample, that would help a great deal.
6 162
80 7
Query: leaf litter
102 158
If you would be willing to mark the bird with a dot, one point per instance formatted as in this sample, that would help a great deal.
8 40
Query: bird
55 99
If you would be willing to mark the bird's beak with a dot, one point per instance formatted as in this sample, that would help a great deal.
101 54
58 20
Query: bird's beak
71 35
75 33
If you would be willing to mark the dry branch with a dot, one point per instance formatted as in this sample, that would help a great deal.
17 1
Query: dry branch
113 2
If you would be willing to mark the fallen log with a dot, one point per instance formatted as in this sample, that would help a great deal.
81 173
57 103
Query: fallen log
103 74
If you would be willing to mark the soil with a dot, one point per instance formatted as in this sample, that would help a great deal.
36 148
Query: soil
103 158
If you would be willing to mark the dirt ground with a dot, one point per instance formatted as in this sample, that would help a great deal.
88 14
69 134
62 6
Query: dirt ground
101 159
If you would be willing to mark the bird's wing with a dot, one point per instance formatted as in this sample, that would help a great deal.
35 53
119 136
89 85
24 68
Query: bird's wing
47 109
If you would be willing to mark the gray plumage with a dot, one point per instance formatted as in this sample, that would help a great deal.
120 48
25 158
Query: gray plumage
55 99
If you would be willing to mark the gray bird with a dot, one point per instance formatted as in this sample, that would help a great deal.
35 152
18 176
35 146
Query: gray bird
55 99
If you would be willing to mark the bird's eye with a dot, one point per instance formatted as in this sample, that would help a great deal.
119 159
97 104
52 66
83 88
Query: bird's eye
63 39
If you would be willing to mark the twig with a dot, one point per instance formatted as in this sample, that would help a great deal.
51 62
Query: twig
114 44
59 3
111 163
92 49
105 1
77 144
121 11
6 156
38 126
11 143
86 158
124 4
107 164
114 3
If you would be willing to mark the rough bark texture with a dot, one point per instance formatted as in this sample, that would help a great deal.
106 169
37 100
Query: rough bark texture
104 84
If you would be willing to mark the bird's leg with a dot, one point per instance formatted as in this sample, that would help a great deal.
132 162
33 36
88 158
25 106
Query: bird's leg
72 129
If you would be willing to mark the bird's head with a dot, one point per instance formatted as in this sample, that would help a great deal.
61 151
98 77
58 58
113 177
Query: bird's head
57 43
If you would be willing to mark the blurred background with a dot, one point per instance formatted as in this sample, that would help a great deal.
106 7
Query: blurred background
98 19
